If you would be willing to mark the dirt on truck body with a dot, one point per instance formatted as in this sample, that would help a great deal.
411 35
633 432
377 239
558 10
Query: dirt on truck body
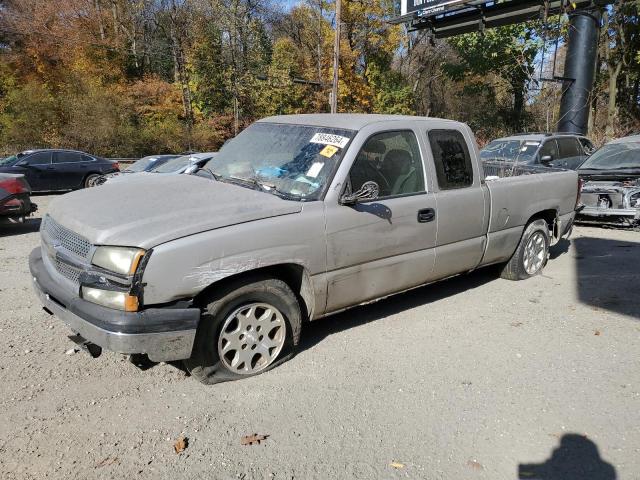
297 218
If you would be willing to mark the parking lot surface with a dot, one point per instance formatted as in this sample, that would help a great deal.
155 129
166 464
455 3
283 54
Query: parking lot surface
474 377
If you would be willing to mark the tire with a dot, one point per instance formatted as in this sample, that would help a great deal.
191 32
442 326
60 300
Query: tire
217 330
90 180
524 264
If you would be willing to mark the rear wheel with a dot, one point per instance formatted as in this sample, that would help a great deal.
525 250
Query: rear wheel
532 253
247 328
90 180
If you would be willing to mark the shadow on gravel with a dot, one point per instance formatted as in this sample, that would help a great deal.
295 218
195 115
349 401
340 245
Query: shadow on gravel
314 332
30 225
608 274
577 458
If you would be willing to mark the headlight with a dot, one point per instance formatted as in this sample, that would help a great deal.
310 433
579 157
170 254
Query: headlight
111 299
123 260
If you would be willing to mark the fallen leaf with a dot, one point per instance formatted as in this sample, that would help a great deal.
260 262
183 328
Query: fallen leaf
181 444
474 464
397 465
252 439
597 333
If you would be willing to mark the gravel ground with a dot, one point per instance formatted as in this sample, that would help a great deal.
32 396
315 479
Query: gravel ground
475 377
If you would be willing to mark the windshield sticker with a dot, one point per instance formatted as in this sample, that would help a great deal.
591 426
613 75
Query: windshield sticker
329 139
532 143
329 151
314 170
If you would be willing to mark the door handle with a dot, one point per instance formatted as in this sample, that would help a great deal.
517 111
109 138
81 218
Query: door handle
426 215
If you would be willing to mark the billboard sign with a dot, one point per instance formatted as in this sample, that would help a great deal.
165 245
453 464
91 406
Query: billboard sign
426 7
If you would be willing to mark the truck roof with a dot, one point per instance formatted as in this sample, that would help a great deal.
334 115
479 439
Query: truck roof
350 121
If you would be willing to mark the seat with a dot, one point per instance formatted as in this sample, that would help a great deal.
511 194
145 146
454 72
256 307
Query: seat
400 172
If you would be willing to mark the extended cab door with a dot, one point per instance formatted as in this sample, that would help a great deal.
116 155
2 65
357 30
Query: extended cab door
379 247
462 201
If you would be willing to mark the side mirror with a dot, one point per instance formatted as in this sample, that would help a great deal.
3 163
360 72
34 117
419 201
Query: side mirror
368 191
546 159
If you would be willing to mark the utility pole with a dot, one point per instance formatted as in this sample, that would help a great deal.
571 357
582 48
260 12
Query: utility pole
336 60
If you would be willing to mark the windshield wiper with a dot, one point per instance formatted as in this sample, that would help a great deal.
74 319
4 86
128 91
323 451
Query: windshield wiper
264 187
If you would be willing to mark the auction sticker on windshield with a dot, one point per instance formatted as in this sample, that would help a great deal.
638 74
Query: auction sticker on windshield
329 139
329 151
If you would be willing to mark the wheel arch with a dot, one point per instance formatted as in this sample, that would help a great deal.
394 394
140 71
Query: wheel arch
551 217
294 275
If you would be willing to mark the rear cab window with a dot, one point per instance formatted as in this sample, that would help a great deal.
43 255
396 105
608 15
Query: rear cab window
451 158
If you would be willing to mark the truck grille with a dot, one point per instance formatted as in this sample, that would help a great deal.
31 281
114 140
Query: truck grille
67 239
68 271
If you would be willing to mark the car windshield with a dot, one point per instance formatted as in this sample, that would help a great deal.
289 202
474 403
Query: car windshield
294 161
614 156
510 150
9 160
174 165
142 164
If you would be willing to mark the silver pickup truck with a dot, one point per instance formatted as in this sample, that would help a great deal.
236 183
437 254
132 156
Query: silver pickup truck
296 218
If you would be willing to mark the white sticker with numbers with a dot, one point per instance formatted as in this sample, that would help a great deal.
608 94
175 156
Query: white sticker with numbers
329 139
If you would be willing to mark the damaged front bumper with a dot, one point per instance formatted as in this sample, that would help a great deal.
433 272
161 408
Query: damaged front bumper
616 203
163 334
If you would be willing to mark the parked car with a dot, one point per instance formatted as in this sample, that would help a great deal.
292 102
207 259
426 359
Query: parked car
15 200
52 170
144 164
611 190
301 216
549 149
187 164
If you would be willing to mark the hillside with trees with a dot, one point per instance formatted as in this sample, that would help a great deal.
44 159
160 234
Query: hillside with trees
128 78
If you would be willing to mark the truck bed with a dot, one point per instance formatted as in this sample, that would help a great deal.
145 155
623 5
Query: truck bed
502 169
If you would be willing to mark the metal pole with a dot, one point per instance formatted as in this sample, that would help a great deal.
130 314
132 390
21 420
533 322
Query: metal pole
579 71
336 61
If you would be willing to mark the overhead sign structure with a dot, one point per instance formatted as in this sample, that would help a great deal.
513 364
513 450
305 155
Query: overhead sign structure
426 7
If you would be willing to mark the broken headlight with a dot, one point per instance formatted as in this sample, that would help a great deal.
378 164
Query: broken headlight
122 260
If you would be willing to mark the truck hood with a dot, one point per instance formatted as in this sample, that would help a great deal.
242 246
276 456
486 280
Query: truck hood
153 209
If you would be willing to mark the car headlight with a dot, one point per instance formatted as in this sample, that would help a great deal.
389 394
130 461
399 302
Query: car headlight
110 299
123 260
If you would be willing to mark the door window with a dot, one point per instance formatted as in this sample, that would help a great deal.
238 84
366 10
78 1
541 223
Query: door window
568 147
67 157
39 158
393 161
550 148
451 158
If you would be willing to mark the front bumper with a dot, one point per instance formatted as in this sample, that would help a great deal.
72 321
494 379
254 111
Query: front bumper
164 334
629 213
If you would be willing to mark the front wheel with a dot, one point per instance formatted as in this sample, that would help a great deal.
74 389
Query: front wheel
532 253
247 328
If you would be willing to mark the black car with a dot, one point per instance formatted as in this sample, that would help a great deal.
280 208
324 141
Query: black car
51 170
560 150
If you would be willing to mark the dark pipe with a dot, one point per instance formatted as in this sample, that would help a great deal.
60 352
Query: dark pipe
579 70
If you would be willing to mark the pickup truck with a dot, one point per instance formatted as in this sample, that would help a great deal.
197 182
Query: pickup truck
297 218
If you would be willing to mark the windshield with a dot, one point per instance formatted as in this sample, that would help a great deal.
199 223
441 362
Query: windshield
9 160
614 156
295 161
510 150
174 165
141 165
